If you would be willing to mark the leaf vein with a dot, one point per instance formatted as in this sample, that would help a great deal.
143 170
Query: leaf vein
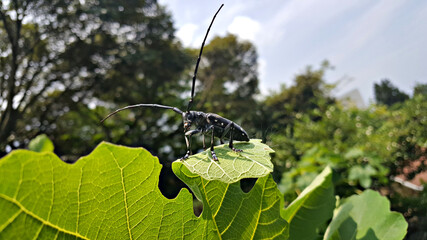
78 199
21 176
232 220
43 221
124 194
262 165
207 201
38 232
222 170
10 220
53 193
222 199
260 207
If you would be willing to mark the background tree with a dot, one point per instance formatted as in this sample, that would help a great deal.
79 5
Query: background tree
386 93
309 95
59 57
228 78
309 92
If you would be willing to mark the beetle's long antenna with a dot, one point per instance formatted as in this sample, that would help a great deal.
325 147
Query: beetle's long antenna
142 105
198 60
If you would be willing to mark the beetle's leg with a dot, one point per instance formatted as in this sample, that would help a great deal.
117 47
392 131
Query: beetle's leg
214 157
204 145
188 142
226 130
230 144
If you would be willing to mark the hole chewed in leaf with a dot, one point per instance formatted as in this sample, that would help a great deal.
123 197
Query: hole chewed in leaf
247 184
169 184
197 207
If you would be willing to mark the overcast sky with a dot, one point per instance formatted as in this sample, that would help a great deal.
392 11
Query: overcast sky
364 40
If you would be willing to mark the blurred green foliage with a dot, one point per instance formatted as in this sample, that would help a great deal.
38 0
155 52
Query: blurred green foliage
351 141
364 147
41 144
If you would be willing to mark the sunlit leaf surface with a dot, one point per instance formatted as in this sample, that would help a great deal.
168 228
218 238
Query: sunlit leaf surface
110 194
253 162
113 194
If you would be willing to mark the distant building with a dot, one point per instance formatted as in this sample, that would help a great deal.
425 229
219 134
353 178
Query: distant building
352 99
416 182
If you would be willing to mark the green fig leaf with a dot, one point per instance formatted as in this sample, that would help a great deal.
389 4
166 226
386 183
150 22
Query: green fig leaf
41 143
366 216
235 214
312 208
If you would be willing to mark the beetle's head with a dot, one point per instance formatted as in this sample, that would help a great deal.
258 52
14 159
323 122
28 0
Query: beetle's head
189 118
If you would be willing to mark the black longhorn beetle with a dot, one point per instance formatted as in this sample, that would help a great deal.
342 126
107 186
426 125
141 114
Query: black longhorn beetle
204 123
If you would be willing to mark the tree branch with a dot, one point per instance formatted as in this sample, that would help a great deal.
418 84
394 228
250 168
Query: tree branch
2 80
35 97
9 113
7 27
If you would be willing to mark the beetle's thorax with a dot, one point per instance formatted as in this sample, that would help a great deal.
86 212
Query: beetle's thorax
193 118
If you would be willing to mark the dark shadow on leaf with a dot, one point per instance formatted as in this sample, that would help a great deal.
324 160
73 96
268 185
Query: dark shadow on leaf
244 145
348 229
370 234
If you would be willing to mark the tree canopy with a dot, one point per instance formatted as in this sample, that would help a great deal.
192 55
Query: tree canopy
62 59
386 93
229 78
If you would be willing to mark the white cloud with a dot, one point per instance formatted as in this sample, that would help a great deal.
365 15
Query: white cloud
186 33
262 70
244 27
